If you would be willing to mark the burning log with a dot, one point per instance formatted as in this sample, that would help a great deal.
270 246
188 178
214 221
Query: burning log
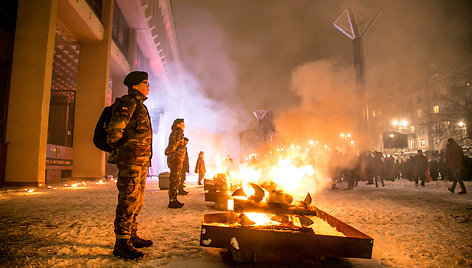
279 197
242 205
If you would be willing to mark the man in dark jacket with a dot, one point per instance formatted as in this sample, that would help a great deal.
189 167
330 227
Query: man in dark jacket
175 153
130 134
200 168
420 165
455 158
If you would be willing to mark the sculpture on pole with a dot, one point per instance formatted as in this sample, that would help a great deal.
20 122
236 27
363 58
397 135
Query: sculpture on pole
354 23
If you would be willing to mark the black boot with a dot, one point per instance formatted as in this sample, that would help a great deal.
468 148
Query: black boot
138 242
175 204
124 249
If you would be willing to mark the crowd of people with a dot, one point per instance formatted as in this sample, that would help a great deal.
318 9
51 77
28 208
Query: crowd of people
376 168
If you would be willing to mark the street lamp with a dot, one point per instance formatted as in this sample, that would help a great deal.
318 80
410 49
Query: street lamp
354 23
401 124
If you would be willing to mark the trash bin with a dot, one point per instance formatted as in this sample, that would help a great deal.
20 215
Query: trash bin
164 180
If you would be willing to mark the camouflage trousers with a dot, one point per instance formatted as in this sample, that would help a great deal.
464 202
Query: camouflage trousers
175 176
131 183
183 177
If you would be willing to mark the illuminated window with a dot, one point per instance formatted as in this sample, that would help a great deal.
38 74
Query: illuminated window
444 91
422 143
436 109
412 129
373 113
419 113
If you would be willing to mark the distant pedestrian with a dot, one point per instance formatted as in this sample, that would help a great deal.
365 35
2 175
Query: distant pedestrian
455 158
377 165
200 167
420 165
175 153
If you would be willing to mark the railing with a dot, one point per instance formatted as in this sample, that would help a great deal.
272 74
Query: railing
96 6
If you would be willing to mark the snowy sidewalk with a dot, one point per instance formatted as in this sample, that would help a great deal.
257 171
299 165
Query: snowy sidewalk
73 227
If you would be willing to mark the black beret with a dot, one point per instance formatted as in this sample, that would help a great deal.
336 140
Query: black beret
178 121
135 78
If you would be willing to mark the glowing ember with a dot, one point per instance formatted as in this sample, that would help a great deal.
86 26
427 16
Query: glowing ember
261 218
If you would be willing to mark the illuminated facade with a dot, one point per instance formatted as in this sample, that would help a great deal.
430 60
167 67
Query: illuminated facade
68 63
432 112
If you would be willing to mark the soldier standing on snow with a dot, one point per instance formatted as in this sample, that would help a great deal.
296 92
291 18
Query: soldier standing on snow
175 153
129 133
185 170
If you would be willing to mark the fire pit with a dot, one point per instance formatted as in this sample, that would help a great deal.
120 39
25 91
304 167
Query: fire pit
234 232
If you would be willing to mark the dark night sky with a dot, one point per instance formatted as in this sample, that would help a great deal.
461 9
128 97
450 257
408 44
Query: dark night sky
280 54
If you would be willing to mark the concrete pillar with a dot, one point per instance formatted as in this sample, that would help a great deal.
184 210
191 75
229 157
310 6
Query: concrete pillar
30 89
91 96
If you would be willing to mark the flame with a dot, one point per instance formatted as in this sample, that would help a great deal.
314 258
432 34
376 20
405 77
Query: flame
288 176
296 170
261 218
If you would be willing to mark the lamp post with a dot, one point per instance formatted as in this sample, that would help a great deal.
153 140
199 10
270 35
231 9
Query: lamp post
354 23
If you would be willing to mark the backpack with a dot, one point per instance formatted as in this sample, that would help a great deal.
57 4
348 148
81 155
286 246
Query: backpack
100 133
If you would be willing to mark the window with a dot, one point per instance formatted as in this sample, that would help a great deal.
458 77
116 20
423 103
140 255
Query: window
443 91
418 98
120 31
419 113
436 109
373 113
435 94
422 143
412 129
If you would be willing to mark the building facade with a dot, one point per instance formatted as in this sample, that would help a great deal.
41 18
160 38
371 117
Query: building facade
64 61
429 113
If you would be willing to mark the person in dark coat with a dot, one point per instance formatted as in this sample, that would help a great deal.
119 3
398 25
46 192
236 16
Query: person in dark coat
434 169
200 168
420 165
455 158
129 133
378 168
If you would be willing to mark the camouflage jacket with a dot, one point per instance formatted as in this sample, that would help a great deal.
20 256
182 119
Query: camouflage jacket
176 149
130 131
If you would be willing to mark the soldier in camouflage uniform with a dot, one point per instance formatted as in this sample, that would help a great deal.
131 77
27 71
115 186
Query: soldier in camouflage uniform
175 153
130 134
185 170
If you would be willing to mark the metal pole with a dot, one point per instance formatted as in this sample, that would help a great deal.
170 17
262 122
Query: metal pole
362 112
260 132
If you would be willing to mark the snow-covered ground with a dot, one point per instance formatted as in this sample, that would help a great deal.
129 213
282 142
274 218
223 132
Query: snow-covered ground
73 227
